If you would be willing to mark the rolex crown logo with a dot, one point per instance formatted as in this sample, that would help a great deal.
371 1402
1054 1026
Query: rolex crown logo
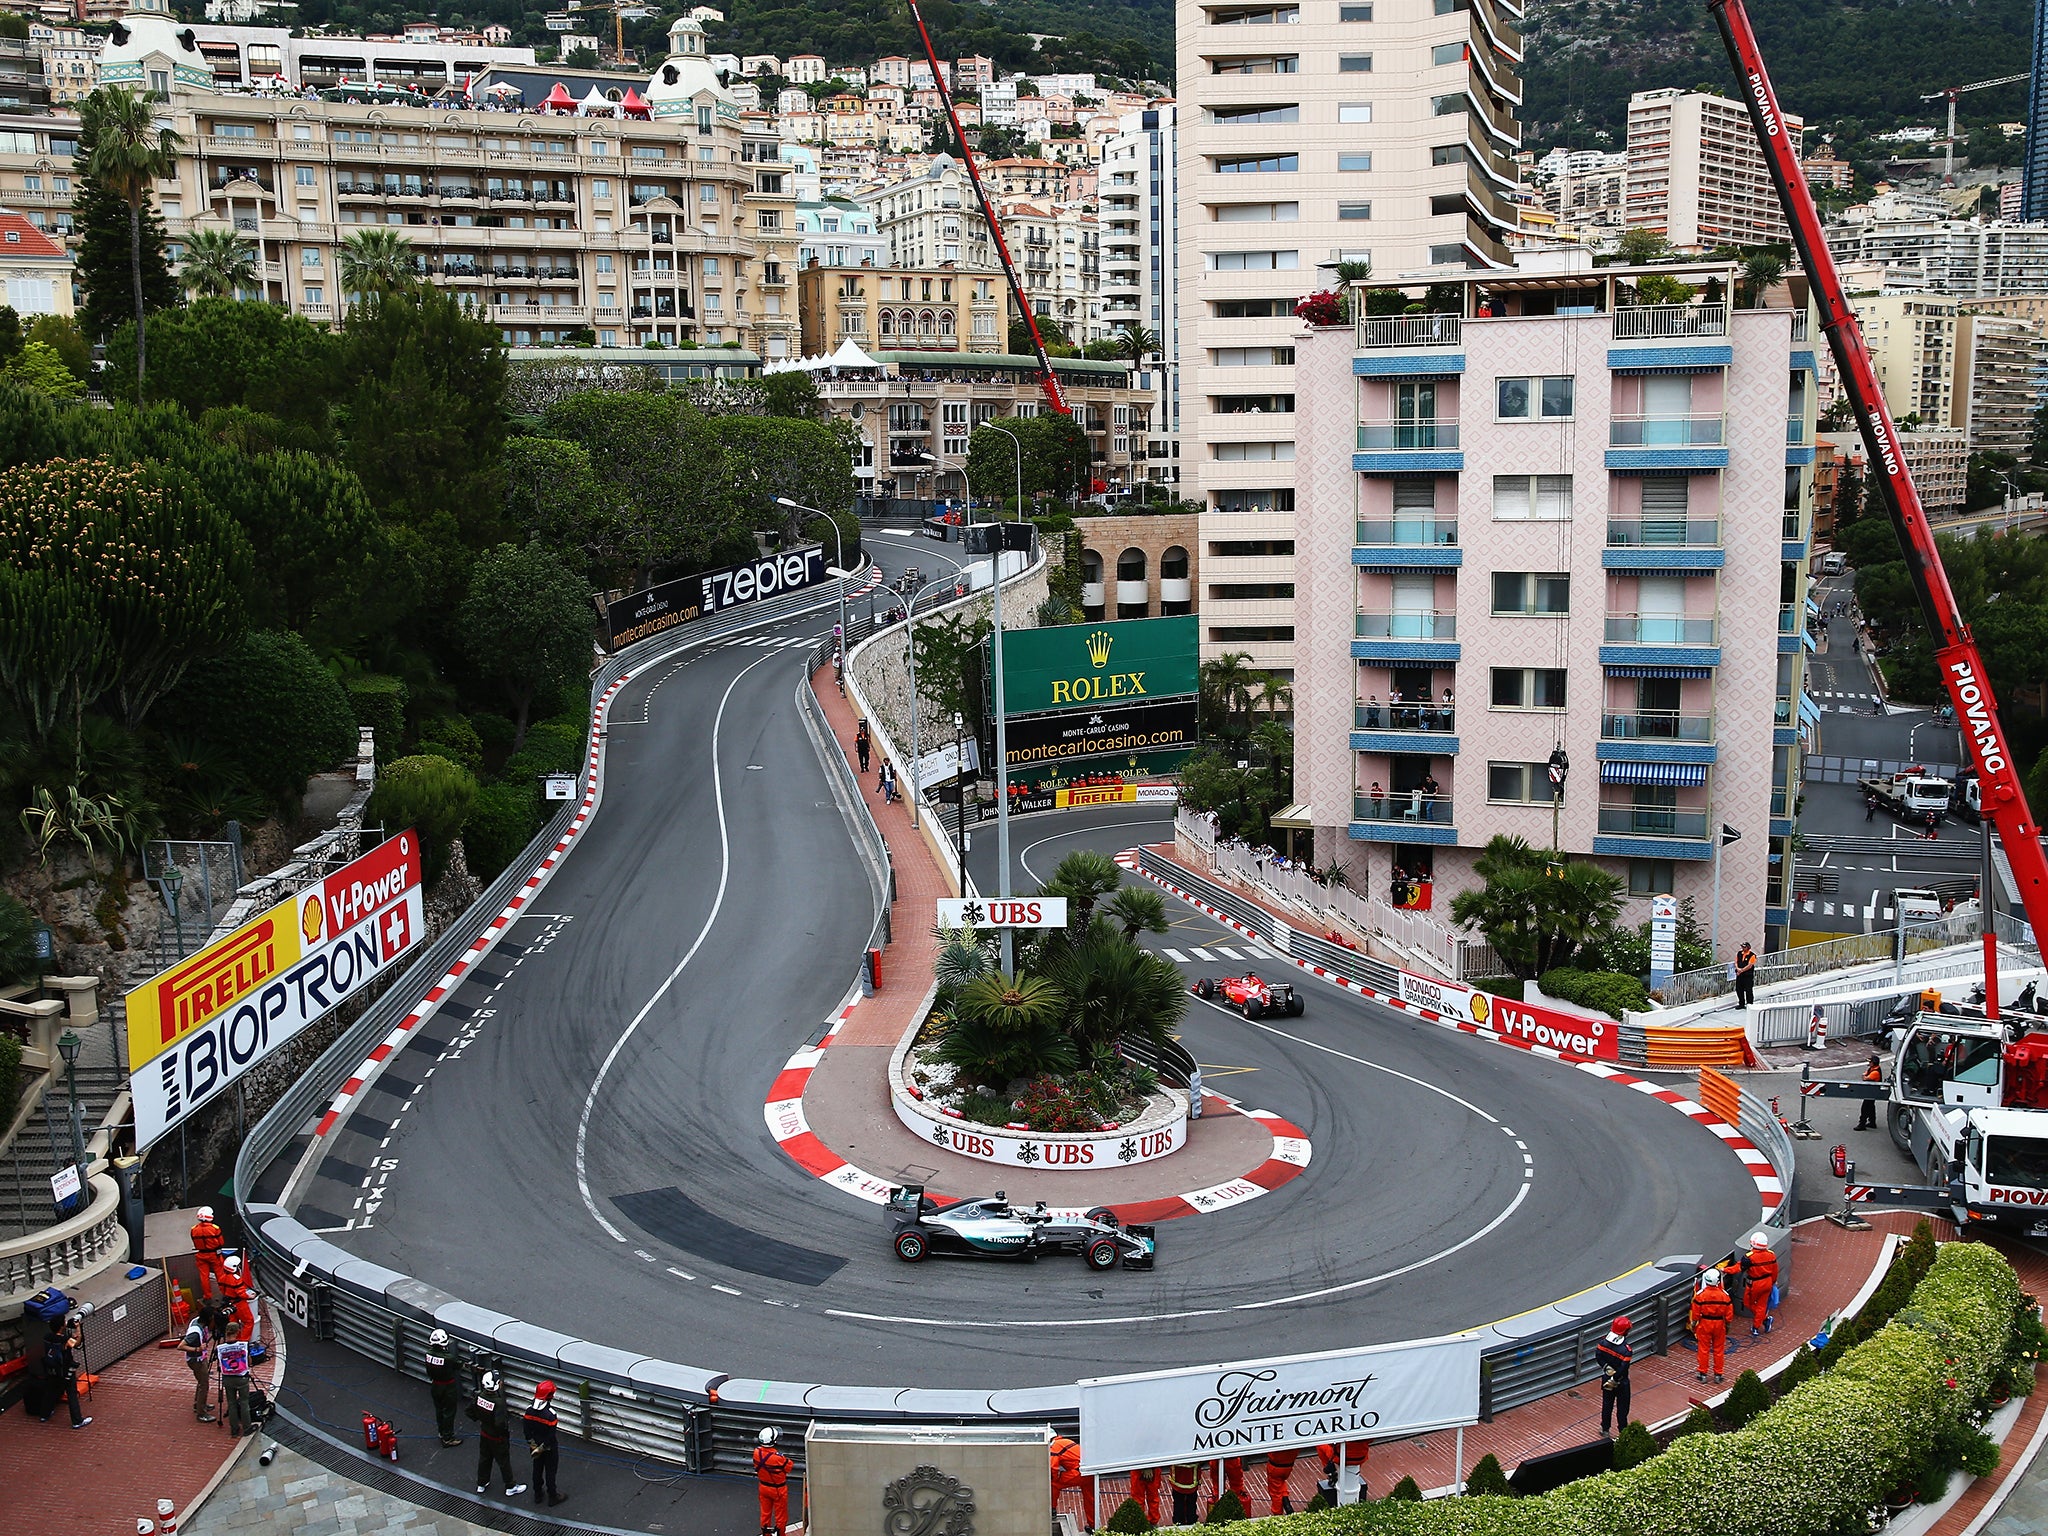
1098 647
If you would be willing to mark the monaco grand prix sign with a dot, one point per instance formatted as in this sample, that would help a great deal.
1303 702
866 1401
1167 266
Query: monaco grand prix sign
197 1027
1573 1034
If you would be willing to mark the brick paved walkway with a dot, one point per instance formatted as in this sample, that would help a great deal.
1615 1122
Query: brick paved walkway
142 1445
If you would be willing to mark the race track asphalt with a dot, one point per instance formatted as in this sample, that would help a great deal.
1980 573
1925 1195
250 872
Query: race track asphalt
707 926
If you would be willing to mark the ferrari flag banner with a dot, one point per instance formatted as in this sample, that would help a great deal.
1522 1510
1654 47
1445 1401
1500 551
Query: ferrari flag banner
196 1027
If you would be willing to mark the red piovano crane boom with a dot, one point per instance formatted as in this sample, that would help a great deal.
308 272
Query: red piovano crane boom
1048 385
1956 656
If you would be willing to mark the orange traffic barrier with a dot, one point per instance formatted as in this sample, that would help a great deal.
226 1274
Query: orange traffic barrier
1705 1046
1719 1093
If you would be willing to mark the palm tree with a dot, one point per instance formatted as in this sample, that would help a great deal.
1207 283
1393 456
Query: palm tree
1114 990
1349 272
1135 342
1006 1027
376 261
1278 742
1276 693
1136 909
1760 273
218 263
1084 877
130 153
1227 684
1535 912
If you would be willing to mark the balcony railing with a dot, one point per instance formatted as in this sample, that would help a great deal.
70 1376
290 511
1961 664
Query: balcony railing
1657 725
1659 629
1665 432
1398 435
1793 525
1799 325
1403 717
1407 626
1652 821
1382 331
1789 619
1408 532
1655 322
1402 805
1795 429
1663 533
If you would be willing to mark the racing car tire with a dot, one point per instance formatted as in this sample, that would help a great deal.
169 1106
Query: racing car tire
1253 1008
1295 1006
1101 1254
1205 989
1101 1213
911 1247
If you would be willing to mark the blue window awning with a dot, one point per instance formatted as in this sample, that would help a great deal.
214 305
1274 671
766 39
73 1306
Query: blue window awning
1808 710
1633 670
1813 608
1669 775
1806 639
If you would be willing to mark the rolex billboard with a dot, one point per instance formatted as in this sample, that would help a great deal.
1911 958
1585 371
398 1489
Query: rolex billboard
1084 691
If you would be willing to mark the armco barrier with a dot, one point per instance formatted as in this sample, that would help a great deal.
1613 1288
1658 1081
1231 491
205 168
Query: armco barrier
705 1421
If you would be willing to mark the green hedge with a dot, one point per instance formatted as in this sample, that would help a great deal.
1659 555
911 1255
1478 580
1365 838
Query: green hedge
10 1079
1810 1466
378 701
1609 991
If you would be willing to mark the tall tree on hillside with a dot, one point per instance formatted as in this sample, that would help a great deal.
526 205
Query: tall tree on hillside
130 152
106 258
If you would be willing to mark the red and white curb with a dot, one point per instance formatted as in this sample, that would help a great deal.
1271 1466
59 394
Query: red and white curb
784 1112
426 1006
423 1010
1770 1189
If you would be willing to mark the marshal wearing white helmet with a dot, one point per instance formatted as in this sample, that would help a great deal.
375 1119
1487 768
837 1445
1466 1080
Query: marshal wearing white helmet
444 1381
771 1479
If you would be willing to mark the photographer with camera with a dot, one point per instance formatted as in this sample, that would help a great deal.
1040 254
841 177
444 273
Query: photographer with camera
62 1345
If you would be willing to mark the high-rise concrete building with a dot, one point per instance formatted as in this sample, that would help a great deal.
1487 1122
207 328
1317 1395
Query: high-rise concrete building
1912 340
1140 218
1695 173
2034 158
2000 366
1958 257
1546 520
1315 133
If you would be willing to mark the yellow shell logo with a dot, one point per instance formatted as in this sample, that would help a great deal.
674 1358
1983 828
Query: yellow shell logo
310 919
1479 1008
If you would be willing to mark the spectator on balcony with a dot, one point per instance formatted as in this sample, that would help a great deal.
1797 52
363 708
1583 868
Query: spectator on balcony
1426 796
1378 800
1372 713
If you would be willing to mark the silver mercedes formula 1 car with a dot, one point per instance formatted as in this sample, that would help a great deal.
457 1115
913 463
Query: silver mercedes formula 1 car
989 1227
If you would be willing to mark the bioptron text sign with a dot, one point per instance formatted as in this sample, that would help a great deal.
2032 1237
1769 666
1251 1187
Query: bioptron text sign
198 1026
1204 1412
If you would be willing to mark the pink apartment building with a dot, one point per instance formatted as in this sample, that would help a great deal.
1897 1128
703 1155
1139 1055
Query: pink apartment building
1557 520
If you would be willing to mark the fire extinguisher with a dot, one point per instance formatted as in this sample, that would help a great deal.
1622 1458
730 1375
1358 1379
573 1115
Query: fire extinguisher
1838 1161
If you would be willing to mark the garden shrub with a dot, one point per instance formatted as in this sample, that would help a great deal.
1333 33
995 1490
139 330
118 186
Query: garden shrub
1746 1399
17 943
270 709
429 794
1226 1509
1608 991
502 820
378 701
1810 1466
10 1079
1129 1519
495 733
1501 986
1486 1479
1405 1489
1700 1421
1801 1368
455 739
1633 1446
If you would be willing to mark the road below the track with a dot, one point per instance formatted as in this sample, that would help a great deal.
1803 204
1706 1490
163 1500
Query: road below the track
578 1141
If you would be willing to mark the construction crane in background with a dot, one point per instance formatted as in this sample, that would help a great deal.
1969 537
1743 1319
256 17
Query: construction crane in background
1956 657
620 11
1048 384
1948 170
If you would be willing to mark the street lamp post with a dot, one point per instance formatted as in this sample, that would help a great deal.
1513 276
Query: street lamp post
1017 444
171 881
68 1046
839 545
960 816
995 661
916 747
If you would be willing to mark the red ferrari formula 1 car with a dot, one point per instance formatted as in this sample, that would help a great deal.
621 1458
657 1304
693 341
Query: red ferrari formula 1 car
1255 997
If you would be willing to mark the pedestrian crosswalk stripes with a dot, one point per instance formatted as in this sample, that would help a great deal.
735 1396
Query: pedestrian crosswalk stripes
1228 954
1203 954
1175 956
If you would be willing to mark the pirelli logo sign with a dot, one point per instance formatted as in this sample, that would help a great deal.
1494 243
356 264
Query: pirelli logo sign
215 979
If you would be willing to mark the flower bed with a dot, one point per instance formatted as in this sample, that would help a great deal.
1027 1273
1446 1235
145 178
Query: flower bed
1816 1464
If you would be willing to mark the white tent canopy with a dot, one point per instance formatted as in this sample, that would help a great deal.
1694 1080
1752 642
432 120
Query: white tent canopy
595 105
849 355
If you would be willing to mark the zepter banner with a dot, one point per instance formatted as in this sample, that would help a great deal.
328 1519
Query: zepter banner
197 1027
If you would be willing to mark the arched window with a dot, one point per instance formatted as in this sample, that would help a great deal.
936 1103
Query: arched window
945 322
1173 564
1133 595
888 323
1091 567
1130 565
927 324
